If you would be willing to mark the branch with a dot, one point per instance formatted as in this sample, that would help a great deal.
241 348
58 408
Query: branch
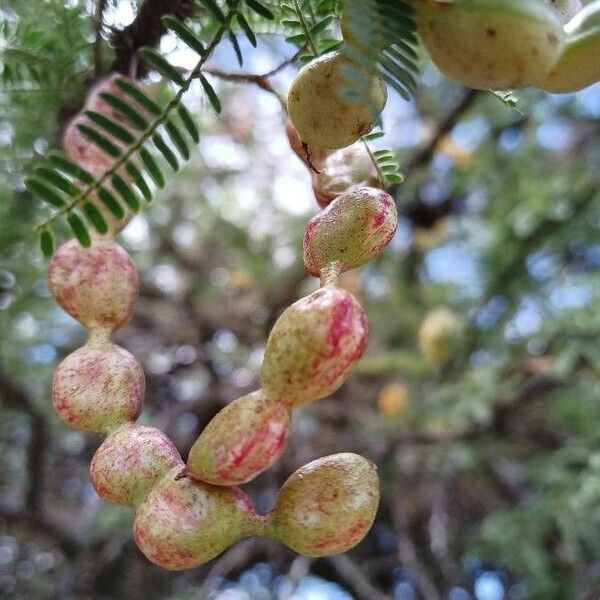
146 30
16 398
532 388
261 80
423 155
407 552
100 8
351 574
230 560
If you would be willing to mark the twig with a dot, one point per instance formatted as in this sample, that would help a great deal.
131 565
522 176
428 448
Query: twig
100 8
261 80
298 569
146 30
407 553
235 557
423 155
351 574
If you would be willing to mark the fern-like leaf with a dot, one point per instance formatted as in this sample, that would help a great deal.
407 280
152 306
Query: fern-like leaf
384 160
79 230
95 218
188 123
47 242
162 65
210 92
184 33
260 9
125 133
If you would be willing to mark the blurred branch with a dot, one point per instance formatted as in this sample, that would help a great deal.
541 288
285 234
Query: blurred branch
424 154
36 452
262 81
100 8
43 525
15 397
237 556
298 569
407 552
146 30
351 574
532 389
409 363
439 536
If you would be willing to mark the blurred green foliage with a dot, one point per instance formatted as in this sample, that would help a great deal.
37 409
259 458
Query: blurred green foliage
491 459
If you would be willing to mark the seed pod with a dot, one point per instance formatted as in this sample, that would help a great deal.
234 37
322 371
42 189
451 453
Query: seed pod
565 9
313 156
579 63
351 231
438 334
108 85
97 286
313 345
130 462
490 44
82 150
342 170
98 387
327 506
241 441
184 523
320 114
96 162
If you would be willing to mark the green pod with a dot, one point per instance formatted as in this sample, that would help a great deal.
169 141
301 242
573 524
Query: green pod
579 64
242 440
351 231
99 386
327 506
321 116
313 345
490 44
184 523
130 461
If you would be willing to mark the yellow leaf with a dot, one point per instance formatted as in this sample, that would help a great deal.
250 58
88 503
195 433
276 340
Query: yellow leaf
393 399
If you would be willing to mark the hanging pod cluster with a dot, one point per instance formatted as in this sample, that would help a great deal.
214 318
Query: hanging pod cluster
188 512
325 507
311 348
508 44
106 101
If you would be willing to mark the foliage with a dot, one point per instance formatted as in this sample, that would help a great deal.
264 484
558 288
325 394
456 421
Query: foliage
68 187
489 464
